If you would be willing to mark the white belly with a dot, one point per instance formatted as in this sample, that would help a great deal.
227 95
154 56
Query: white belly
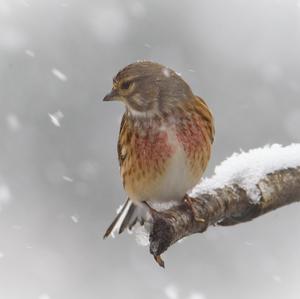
176 180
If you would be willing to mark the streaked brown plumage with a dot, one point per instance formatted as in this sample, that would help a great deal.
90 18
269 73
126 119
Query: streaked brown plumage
165 138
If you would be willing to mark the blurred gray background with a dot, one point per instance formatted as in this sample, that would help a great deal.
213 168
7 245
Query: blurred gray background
59 180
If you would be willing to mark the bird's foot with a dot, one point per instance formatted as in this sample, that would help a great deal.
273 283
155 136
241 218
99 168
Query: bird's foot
155 214
190 203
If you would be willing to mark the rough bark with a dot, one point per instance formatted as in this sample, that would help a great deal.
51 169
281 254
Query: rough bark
226 206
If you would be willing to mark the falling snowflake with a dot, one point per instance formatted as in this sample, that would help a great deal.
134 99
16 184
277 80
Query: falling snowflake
29 53
5 195
56 117
13 122
44 296
67 179
59 75
196 296
75 219
1 255
171 291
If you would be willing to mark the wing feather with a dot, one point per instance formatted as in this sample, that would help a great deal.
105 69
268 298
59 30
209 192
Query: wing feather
208 117
121 154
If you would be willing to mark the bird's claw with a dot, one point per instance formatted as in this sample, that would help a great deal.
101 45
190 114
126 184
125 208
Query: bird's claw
189 203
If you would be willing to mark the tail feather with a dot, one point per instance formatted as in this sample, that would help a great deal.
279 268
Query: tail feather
129 218
126 218
111 228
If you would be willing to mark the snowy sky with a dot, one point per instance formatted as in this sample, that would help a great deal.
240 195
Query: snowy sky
59 178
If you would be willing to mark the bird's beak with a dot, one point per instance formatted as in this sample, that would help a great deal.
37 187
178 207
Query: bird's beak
112 96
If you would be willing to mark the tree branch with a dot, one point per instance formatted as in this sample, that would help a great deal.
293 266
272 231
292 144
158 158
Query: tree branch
224 206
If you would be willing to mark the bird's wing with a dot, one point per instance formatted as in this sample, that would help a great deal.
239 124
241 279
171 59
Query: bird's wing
122 154
130 213
208 117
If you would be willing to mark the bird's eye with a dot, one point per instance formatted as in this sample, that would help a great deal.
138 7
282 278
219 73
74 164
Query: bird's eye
126 84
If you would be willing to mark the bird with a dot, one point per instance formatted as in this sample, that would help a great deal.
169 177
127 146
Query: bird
165 139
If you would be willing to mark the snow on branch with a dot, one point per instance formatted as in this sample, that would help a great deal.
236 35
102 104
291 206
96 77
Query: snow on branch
244 186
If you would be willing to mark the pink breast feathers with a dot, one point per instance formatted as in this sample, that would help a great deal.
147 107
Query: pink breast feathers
190 135
152 147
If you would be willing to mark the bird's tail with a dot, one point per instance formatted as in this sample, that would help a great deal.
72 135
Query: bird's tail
128 216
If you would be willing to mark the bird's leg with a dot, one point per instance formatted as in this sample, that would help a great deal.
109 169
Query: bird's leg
190 203
151 210
154 213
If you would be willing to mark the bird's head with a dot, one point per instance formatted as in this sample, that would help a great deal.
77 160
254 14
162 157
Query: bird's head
148 88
